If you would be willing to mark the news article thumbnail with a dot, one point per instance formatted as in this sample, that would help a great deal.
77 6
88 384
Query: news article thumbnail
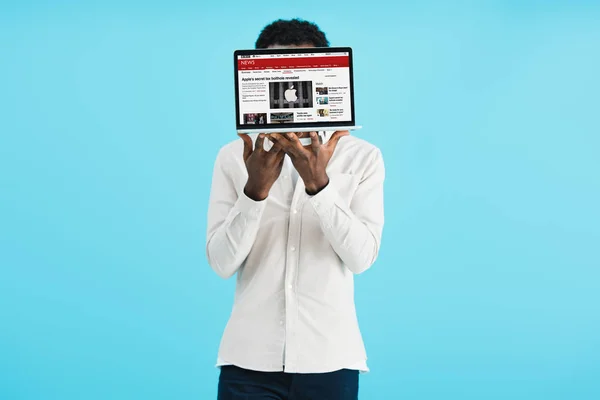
322 91
282 117
296 94
255 118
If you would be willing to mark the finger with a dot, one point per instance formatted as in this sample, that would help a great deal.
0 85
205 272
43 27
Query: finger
296 147
276 148
335 138
260 142
277 153
247 145
315 143
292 137
280 140
279 157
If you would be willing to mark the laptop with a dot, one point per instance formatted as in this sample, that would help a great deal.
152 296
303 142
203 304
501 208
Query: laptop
294 90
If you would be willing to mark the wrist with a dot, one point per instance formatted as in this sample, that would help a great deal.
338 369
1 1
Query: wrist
316 185
255 192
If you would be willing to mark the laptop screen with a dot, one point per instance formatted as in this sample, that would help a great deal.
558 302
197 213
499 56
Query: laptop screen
305 87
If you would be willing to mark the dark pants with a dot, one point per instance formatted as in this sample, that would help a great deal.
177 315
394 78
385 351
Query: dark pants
241 384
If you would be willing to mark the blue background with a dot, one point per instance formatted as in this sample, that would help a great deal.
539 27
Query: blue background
111 115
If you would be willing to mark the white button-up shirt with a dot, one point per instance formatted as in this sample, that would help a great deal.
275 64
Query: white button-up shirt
295 256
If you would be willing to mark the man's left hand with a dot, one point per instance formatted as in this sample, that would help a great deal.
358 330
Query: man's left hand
310 161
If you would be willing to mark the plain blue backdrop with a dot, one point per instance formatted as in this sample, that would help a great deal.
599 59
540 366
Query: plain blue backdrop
487 113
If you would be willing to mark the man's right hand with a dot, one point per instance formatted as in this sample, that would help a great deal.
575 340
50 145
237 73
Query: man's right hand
263 166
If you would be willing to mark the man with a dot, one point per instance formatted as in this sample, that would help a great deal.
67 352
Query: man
295 223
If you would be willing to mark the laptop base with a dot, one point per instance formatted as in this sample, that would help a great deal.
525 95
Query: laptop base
283 129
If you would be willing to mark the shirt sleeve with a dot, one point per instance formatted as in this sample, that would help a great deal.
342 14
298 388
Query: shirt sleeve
232 223
354 231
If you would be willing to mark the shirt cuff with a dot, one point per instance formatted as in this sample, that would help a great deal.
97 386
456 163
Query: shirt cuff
250 208
324 201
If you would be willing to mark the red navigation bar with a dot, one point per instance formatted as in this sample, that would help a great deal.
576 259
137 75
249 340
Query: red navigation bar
293 63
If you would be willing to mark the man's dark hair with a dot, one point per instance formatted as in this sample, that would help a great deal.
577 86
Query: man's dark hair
291 32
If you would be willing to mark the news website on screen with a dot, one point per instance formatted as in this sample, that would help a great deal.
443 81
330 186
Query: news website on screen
294 88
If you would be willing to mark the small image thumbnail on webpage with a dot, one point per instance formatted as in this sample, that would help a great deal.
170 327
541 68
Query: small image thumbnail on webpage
322 112
322 100
254 118
282 117
322 91
296 94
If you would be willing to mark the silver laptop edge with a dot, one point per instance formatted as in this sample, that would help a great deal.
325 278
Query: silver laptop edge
283 129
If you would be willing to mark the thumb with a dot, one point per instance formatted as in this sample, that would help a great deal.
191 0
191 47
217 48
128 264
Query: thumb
247 145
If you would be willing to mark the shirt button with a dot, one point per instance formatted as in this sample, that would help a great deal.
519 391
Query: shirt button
293 248
285 177
295 211
290 286
281 322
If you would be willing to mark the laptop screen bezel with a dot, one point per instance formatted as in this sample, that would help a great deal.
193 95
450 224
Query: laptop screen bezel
317 124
